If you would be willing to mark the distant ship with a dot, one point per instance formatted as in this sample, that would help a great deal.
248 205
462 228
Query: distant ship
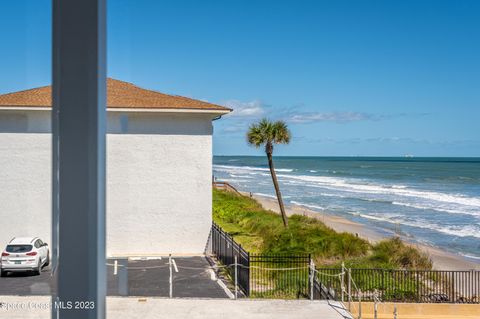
408 155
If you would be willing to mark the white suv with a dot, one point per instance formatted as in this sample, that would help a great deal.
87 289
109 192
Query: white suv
25 254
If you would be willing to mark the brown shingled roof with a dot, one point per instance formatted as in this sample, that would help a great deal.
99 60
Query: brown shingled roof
120 94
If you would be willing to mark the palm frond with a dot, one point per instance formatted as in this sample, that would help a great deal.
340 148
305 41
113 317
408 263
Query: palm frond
265 132
255 136
281 133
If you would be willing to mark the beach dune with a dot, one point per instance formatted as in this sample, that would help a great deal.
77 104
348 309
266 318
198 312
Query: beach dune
441 259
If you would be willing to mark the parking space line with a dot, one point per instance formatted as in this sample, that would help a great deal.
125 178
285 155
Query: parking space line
174 265
213 276
144 258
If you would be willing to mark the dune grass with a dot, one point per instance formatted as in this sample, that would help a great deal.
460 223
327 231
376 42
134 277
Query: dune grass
262 231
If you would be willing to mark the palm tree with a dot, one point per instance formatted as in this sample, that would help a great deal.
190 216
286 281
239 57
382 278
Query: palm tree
268 133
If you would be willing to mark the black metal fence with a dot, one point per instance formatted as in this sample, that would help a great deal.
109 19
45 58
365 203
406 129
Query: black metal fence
225 249
279 276
262 276
326 285
422 286
288 276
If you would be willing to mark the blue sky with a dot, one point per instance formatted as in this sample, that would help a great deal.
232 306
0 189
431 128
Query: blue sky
349 77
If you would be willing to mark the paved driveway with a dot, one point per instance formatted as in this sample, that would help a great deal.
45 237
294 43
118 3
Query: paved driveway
132 278
25 284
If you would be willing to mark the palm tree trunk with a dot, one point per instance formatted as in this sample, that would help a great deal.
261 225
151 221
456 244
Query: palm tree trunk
277 189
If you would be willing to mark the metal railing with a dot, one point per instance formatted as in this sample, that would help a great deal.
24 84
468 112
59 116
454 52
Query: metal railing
279 276
262 275
290 276
421 286
226 186
225 250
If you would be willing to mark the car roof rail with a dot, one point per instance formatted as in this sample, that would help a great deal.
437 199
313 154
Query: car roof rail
11 240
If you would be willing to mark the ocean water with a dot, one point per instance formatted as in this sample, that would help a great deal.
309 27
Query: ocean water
434 201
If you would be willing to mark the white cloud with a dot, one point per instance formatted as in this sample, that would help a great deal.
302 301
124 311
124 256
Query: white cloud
343 117
253 109
339 117
245 113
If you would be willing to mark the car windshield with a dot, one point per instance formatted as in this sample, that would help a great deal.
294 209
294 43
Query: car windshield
19 248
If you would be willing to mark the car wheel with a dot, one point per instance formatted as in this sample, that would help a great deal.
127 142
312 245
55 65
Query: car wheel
3 273
47 262
38 270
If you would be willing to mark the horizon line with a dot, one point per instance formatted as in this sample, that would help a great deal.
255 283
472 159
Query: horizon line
384 156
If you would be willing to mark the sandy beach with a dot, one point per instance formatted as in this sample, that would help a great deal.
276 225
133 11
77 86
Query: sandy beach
441 259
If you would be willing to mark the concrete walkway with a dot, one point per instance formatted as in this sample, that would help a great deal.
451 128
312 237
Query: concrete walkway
131 308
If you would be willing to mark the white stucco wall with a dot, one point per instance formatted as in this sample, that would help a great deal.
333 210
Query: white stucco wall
159 169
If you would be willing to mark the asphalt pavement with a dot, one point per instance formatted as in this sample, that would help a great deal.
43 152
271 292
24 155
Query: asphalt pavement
131 277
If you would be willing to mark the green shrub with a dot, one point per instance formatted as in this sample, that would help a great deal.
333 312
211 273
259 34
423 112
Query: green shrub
394 251
262 231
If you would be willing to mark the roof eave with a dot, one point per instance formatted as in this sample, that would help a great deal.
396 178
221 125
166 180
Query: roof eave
127 109
169 110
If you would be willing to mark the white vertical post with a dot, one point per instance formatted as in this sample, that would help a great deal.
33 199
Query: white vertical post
78 153
342 283
236 277
349 289
312 277
170 281
359 304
